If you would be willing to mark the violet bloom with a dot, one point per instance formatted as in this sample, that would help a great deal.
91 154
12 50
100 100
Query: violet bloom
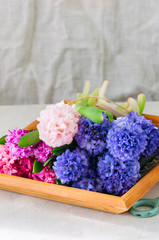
12 141
152 142
90 181
70 166
92 136
127 138
117 176
86 184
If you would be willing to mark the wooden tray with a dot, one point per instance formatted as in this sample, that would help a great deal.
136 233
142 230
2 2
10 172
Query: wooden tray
79 197
99 201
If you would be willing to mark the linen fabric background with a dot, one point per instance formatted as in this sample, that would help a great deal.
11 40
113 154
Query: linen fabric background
48 49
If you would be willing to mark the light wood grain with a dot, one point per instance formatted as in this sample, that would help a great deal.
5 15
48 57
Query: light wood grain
32 126
153 118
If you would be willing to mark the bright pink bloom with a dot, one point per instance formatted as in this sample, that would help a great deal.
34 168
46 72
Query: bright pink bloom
46 175
58 124
7 161
24 167
21 167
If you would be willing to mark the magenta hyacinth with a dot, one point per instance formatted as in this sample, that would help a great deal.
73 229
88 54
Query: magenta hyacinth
12 141
11 165
46 175
43 152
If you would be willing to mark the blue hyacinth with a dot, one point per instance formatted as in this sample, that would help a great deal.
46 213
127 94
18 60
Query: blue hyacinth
127 138
117 176
92 136
152 142
70 166
90 182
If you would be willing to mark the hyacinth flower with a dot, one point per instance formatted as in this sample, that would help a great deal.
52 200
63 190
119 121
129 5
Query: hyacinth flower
128 136
41 150
89 181
70 166
92 136
46 175
12 141
11 165
57 126
117 176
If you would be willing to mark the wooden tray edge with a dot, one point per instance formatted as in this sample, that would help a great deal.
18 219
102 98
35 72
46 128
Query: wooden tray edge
141 187
79 197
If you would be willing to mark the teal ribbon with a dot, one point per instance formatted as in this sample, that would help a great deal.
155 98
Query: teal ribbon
154 203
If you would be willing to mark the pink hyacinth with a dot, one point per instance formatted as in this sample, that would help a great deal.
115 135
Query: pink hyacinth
11 165
46 175
58 124
12 141
43 152
7 161
24 167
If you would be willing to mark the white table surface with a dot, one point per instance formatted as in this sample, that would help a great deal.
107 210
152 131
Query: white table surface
24 217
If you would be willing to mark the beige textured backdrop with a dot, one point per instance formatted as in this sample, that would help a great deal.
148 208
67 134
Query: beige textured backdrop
49 48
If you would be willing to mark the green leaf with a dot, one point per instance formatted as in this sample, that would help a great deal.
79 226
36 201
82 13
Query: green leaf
37 166
2 140
85 93
49 160
94 114
59 150
92 101
124 105
58 181
29 139
141 102
86 89
50 164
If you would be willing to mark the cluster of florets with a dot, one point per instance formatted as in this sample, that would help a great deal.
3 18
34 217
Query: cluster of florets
107 154
41 151
18 161
92 136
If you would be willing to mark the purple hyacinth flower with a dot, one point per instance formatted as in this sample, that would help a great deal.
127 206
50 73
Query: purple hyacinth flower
152 142
127 139
92 136
70 166
117 176
90 181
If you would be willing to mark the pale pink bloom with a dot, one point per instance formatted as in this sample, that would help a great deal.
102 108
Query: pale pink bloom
58 124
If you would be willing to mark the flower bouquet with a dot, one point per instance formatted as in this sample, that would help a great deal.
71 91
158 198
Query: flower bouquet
89 152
